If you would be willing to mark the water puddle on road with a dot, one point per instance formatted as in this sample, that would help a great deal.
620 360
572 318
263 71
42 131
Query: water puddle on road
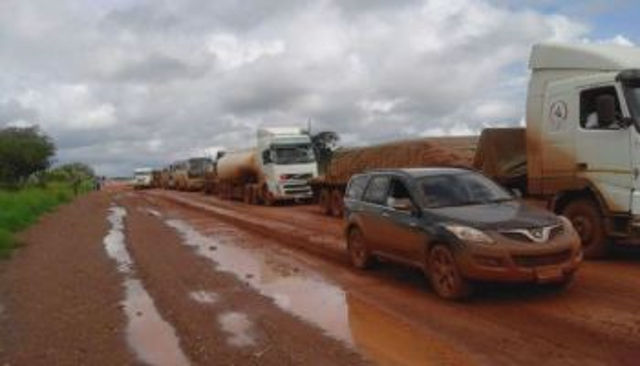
204 297
376 333
239 328
292 289
153 339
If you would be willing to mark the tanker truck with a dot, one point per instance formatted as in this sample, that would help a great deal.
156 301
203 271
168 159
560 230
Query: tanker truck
277 169
345 162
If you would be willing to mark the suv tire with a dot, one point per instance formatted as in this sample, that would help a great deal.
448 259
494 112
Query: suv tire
445 276
358 252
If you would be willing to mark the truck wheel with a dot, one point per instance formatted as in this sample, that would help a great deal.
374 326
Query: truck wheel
324 201
587 220
336 203
445 276
358 251
267 197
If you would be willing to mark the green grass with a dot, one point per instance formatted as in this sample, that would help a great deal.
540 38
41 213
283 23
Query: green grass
21 208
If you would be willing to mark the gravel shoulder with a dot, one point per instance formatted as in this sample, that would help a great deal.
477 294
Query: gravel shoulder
60 293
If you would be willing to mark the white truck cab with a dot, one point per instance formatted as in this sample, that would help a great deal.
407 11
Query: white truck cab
142 178
287 161
583 137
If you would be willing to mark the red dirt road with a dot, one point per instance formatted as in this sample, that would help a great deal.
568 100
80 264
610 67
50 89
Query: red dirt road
593 322
172 278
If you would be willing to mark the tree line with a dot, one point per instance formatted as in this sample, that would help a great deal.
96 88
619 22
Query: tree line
26 156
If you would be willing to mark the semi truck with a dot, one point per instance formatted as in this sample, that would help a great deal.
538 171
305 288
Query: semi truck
189 175
142 178
579 151
278 168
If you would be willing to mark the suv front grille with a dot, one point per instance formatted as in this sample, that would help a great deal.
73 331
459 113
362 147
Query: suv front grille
542 260
526 236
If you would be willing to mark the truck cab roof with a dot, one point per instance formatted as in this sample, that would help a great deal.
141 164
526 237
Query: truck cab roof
594 57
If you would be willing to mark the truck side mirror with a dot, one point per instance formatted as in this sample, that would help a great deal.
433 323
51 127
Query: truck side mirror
606 109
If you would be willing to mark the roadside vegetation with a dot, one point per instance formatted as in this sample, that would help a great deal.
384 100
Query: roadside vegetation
28 185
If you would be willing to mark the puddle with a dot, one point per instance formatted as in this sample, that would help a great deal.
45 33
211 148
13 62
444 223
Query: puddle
379 335
239 327
293 289
204 297
153 340
154 212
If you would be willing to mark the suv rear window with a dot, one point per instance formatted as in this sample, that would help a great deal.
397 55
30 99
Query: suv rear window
377 190
356 187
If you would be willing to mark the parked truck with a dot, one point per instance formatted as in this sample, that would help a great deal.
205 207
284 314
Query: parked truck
329 188
189 174
579 152
277 169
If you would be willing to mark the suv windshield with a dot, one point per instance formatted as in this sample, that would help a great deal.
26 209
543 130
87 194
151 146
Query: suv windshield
293 154
460 189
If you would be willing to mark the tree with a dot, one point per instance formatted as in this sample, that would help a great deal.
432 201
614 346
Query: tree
323 145
23 151
73 170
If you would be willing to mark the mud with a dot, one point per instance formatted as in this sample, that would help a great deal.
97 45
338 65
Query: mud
290 285
592 322
151 338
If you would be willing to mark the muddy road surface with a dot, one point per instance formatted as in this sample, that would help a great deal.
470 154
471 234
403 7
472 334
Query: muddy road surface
167 278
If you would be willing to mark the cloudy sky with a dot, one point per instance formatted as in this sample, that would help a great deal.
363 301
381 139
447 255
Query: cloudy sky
126 83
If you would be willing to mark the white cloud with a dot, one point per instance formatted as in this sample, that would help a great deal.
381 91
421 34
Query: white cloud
125 83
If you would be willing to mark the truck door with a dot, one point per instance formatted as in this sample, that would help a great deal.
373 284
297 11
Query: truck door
603 148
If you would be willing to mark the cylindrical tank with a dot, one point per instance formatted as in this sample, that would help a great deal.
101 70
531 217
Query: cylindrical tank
238 167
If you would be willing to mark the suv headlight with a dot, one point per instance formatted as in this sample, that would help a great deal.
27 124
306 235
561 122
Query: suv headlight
469 234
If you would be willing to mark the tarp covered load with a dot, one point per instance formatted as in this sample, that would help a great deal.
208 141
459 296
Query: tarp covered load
502 154
444 151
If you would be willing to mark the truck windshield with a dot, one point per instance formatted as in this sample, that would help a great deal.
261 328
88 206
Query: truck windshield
460 189
199 166
293 154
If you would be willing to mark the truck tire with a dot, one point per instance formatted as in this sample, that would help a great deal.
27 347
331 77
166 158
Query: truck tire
247 195
267 197
358 252
444 275
587 220
337 206
324 201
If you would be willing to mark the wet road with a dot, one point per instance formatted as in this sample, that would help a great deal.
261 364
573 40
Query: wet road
392 317
167 278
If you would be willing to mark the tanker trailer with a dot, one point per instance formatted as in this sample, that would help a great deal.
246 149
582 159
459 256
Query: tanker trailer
345 162
238 176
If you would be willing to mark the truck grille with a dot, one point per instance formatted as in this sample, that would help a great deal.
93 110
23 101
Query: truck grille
296 188
542 260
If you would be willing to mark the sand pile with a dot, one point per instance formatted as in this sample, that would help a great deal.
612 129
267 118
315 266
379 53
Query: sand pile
402 154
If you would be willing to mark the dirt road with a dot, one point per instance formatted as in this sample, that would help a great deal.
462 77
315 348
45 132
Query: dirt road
170 278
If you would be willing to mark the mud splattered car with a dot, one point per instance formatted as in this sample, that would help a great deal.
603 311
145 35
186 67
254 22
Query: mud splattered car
458 226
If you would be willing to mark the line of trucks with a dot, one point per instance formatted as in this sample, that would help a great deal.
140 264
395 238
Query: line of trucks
578 153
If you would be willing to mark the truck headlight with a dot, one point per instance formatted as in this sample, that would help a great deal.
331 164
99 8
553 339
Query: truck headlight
469 234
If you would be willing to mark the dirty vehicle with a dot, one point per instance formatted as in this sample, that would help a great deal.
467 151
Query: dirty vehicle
188 175
458 226
142 178
580 149
277 169
330 187
156 178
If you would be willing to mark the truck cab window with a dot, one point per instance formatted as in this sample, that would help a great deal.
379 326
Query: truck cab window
376 191
600 109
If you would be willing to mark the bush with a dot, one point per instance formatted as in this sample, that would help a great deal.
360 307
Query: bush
7 242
